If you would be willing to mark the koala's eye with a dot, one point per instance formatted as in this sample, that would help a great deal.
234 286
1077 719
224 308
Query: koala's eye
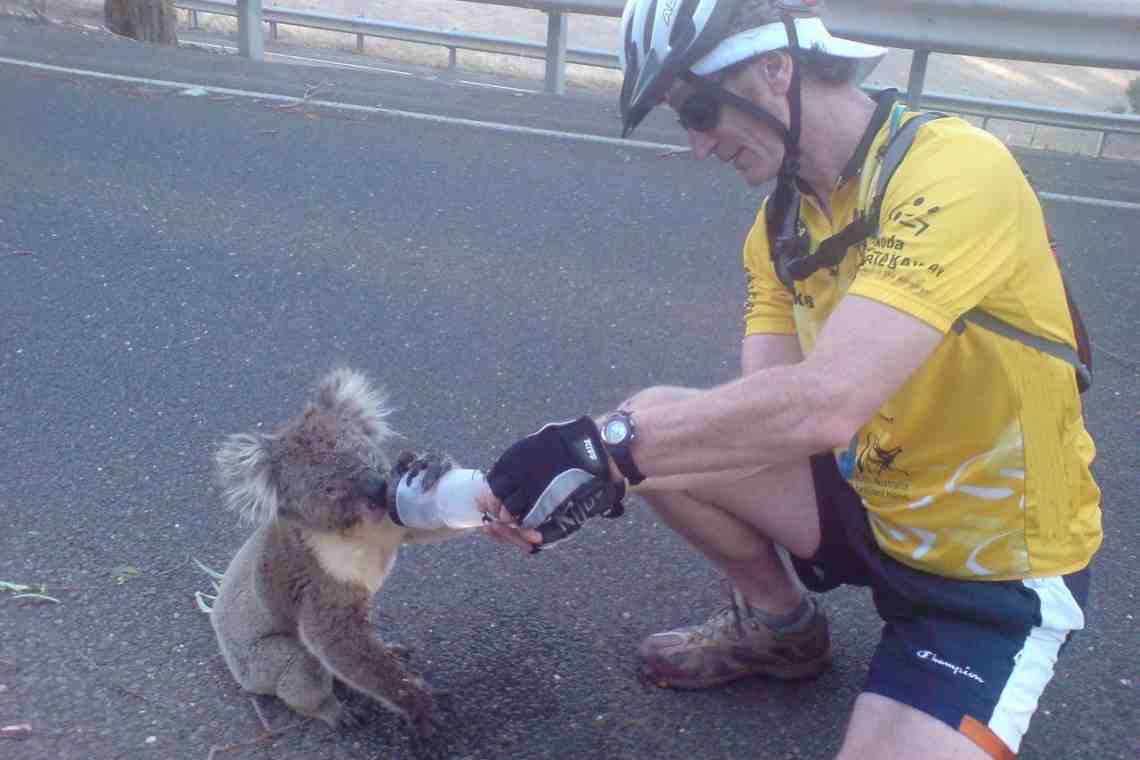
333 492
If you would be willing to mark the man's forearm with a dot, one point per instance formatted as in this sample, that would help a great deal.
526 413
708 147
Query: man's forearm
772 415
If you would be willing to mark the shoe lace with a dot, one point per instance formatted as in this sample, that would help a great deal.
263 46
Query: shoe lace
729 613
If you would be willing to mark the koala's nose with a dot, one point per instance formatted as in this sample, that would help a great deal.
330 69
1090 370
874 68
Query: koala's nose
373 487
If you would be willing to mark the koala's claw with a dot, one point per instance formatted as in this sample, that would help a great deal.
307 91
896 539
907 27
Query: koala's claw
421 714
404 462
430 464
351 716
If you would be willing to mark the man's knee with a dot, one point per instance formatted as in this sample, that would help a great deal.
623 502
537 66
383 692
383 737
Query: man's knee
778 501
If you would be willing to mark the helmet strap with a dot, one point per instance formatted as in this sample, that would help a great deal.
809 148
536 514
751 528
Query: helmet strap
791 163
784 205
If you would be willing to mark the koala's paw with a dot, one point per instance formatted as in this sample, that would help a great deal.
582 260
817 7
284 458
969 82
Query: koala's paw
420 711
351 716
403 463
431 465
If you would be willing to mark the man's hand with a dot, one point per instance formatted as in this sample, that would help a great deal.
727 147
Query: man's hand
537 474
593 498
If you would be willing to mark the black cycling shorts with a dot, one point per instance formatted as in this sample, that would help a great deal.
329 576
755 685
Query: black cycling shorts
974 654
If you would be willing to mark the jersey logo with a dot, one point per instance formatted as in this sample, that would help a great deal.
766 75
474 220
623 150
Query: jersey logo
802 299
914 218
876 460
590 452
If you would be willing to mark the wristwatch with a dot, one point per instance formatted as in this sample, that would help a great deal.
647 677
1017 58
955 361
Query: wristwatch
618 432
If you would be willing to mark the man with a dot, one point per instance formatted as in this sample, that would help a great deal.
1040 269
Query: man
882 431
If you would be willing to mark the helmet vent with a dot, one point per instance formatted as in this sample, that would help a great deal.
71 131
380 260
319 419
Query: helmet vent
684 30
647 33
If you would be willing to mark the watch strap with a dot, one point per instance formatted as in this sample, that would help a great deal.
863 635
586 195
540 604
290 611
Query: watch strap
621 453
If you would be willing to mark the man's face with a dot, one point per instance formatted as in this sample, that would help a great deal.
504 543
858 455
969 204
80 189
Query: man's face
750 145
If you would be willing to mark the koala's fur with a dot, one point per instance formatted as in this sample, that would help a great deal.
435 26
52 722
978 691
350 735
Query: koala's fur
294 609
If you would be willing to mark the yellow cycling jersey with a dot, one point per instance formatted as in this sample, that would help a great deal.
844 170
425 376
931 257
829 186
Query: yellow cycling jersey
978 467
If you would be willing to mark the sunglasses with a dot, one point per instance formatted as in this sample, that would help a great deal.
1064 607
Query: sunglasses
700 111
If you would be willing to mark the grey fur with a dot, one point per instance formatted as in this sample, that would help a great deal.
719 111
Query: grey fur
295 607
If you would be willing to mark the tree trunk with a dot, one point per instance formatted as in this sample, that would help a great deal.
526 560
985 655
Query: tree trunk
145 20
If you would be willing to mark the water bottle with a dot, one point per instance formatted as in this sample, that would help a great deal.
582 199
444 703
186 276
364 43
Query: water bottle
452 503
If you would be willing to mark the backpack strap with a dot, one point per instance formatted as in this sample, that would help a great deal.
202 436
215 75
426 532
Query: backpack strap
897 147
833 250
1081 359
1080 333
1054 348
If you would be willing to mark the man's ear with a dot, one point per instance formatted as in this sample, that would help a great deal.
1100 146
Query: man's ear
776 68
766 76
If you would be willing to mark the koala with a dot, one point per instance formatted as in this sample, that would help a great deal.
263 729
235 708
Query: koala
294 609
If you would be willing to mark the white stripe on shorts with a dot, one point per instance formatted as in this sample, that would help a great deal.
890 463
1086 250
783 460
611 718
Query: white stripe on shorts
1033 665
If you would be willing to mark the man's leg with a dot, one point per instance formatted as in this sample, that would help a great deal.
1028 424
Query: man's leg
736 524
885 729
737 517
770 627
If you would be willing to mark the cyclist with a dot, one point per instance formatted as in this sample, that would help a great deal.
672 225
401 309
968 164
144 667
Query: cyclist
882 431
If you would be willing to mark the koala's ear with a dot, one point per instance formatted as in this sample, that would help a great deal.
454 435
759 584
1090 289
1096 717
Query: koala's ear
246 473
347 395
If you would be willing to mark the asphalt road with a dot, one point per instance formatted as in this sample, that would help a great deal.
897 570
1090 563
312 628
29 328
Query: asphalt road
176 268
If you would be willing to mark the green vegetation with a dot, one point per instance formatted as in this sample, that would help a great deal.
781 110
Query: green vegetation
1133 92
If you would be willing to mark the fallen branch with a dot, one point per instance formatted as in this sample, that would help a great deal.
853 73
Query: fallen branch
217 749
310 91
15 731
24 591
260 715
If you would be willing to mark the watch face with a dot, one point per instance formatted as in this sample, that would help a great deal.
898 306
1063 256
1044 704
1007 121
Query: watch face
615 430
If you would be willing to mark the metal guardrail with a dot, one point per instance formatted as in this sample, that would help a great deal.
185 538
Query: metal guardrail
364 27
1099 33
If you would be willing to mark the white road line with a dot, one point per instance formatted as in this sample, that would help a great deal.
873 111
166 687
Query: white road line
454 120
413 115
306 59
1102 202
496 86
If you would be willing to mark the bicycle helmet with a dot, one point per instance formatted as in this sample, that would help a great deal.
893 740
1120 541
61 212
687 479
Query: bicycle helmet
661 39
664 39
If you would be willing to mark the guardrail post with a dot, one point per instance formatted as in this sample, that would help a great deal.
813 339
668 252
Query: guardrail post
917 78
273 30
1101 142
556 53
193 19
251 38
452 58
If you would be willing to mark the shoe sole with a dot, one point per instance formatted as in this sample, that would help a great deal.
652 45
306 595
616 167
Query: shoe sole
787 671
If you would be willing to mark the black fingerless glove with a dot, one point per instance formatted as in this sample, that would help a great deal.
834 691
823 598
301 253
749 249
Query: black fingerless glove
536 475
591 499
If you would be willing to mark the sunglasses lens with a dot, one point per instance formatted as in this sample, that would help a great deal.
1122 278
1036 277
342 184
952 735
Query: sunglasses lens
700 112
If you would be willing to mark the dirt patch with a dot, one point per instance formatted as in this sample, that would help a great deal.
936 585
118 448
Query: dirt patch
1052 85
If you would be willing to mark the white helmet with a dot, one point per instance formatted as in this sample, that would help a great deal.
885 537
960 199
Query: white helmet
662 39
